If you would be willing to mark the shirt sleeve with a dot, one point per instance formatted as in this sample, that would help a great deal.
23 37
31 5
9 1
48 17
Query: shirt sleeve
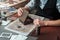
30 5
58 5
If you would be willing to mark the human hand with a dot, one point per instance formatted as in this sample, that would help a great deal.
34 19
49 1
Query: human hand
38 22
20 11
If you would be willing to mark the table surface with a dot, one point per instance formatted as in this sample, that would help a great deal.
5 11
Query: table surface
23 30
13 33
27 29
2 29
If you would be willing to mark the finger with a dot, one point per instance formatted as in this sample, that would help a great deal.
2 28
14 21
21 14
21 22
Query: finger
36 22
21 9
19 12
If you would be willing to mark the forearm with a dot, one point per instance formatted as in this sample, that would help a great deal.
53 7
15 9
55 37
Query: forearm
52 23
30 5
26 8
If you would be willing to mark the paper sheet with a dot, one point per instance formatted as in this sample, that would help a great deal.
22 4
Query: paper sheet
18 37
5 22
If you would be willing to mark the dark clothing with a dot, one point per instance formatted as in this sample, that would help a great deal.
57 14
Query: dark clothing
49 11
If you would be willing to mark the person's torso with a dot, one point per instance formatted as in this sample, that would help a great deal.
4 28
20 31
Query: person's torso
49 10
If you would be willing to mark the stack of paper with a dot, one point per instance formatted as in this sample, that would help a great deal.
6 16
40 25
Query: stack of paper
18 37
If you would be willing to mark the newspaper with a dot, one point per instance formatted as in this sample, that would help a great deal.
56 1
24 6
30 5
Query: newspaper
18 37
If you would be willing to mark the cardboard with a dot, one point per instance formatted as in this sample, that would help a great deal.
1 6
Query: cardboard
24 16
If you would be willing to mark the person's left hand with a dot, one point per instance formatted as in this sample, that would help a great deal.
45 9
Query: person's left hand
38 22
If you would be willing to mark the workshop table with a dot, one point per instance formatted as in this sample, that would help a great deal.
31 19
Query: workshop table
2 29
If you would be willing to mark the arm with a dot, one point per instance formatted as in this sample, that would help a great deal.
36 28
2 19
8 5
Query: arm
52 23
30 5
47 23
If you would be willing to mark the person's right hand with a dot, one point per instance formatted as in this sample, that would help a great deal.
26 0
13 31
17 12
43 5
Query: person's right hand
20 12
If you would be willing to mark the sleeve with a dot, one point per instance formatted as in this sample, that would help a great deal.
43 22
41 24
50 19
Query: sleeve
58 5
31 4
